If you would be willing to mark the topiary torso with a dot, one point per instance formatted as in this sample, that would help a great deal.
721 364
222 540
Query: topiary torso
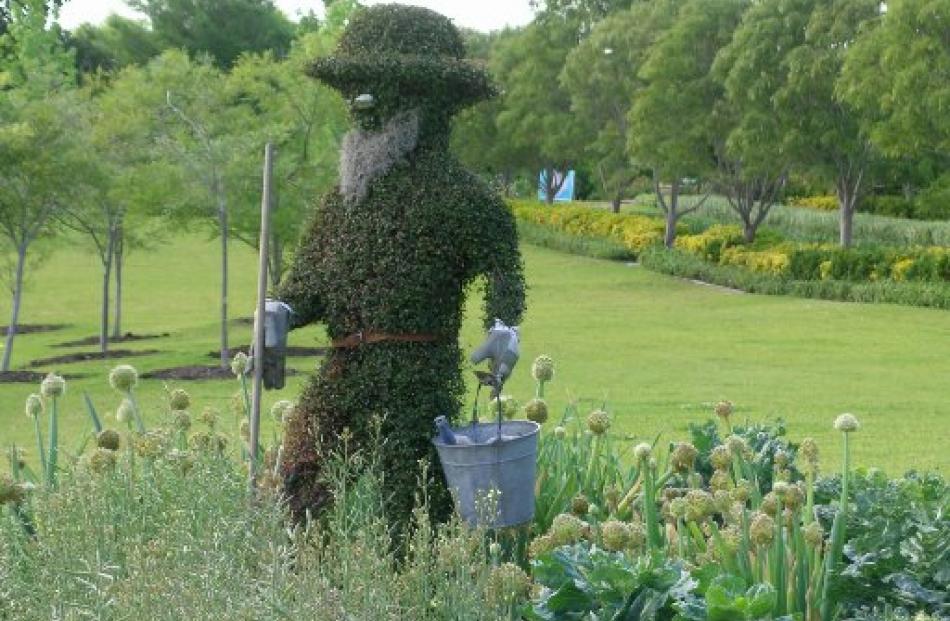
397 261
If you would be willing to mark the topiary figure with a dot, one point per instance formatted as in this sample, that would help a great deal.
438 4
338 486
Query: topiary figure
389 253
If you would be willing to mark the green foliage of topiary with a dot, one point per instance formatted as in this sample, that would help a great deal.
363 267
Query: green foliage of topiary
394 258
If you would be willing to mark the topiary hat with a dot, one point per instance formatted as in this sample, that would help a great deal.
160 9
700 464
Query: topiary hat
404 55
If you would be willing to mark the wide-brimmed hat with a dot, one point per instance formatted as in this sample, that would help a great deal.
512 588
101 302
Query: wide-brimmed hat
404 52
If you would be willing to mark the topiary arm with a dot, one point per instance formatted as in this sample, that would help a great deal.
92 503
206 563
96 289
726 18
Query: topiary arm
300 288
502 266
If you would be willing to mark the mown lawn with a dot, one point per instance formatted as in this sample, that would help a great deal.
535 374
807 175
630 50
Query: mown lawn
658 351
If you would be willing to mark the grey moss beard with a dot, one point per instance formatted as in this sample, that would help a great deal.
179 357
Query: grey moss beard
367 155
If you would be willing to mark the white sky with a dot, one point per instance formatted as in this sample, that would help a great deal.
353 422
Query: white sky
482 15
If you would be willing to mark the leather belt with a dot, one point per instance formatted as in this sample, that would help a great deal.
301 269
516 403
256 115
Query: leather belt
365 337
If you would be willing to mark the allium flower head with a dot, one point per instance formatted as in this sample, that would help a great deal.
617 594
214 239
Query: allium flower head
809 450
541 545
179 399
537 410
794 497
560 432
281 410
814 535
598 422
34 406
182 420
737 445
770 504
506 586
683 456
245 430
53 386
543 368
567 529
720 481
720 457
209 416
108 439
762 529
780 459
125 411
846 423
699 505
615 535
124 377
677 507
10 491
579 505
240 364
102 460
742 491
642 452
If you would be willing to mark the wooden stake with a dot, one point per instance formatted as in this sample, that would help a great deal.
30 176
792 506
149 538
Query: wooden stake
259 315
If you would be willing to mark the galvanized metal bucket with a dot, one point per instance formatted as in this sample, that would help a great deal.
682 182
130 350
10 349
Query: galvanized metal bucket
492 456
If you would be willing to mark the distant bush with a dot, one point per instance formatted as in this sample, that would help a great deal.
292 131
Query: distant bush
824 202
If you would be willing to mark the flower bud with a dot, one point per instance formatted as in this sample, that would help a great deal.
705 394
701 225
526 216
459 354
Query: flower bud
598 422
53 386
34 406
543 368
642 452
123 377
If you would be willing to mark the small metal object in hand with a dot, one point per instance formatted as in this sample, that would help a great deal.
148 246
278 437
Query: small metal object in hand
502 347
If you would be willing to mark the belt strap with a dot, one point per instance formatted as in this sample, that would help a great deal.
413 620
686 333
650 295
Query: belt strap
366 338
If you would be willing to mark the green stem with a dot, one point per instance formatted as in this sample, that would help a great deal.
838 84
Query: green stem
591 464
53 443
136 414
247 399
39 447
810 497
837 537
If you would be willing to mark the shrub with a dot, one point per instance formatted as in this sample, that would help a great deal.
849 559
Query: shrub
888 205
710 243
823 202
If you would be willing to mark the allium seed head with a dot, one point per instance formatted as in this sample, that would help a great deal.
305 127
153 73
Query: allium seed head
598 422
579 505
780 459
506 586
724 409
509 406
737 445
615 535
720 457
102 460
567 529
536 410
814 535
762 529
846 423
543 368
53 386
770 504
678 507
794 497
179 399
209 416
560 432
541 545
720 481
182 420
742 491
699 505
124 377
34 406
683 457
108 439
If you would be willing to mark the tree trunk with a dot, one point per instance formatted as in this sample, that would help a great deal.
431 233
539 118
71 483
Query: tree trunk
106 282
15 312
748 231
847 224
549 186
223 227
615 203
117 257
669 236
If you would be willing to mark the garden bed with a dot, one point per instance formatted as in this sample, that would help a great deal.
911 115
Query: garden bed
31 328
91 355
198 372
29 377
291 352
128 337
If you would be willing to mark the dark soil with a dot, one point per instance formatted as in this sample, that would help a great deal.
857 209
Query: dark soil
197 372
29 328
128 337
91 355
243 321
28 377
292 352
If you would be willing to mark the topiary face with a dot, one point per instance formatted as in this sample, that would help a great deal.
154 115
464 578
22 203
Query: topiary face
404 58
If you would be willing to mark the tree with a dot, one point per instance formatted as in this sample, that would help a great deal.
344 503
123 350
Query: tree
536 115
7 8
306 120
601 76
222 28
895 75
214 141
39 162
782 68
115 44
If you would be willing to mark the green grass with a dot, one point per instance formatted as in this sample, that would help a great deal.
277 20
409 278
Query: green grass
658 350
